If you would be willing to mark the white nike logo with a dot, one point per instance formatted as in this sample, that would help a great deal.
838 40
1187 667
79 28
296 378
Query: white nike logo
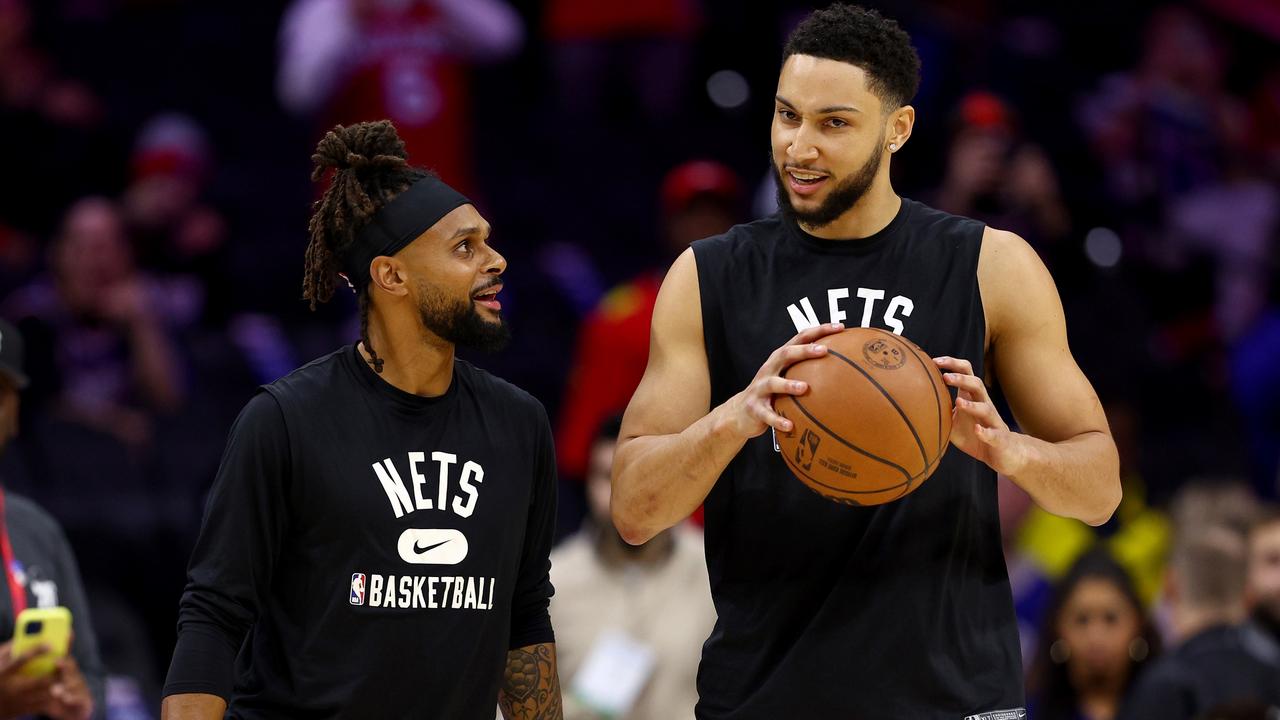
432 546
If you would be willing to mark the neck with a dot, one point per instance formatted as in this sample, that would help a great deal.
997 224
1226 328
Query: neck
413 359
1190 621
1100 704
873 211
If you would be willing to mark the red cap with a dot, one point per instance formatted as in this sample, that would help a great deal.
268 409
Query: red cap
981 109
695 178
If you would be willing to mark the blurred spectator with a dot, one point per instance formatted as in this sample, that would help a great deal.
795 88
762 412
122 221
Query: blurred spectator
995 176
41 572
345 61
1159 130
1262 588
1217 659
642 45
630 620
700 198
1207 502
1242 711
63 149
173 230
98 328
1095 640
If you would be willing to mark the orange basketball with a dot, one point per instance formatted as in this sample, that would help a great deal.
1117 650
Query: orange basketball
874 423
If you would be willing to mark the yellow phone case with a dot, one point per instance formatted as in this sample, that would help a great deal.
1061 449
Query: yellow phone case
42 626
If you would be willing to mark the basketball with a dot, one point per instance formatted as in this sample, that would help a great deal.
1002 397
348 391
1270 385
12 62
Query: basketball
875 421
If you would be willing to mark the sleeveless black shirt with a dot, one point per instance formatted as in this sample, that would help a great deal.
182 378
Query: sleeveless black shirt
901 610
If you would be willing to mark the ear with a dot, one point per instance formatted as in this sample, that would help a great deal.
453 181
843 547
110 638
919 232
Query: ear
387 274
898 127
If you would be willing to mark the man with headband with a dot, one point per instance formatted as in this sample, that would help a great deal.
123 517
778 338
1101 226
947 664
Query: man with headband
376 542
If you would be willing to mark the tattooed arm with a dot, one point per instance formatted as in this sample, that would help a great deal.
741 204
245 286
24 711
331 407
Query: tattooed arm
530 685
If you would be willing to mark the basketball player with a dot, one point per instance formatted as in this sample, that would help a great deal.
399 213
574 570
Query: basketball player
376 542
825 610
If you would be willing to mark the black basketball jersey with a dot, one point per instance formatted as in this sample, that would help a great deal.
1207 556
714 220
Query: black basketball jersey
901 610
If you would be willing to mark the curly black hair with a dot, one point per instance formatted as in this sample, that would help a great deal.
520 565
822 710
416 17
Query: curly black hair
370 168
864 38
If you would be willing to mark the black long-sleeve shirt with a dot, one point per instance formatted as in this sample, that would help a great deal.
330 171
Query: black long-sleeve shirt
1219 665
368 552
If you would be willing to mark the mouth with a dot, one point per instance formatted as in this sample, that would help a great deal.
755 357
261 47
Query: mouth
489 297
805 182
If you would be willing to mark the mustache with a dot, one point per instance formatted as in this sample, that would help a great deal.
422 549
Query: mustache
496 282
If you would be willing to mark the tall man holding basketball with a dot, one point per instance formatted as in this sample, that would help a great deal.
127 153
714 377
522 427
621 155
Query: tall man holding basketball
896 611
376 542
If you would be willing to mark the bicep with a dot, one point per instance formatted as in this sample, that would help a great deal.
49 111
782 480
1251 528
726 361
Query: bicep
1049 395
676 388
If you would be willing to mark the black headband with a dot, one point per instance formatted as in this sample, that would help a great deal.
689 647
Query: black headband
399 223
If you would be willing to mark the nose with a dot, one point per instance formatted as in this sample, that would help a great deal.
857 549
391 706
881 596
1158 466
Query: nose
496 265
802 150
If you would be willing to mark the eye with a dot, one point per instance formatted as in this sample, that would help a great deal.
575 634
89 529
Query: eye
463 247
837 123
787 115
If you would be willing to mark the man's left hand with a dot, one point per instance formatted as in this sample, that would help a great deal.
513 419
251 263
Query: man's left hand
976 425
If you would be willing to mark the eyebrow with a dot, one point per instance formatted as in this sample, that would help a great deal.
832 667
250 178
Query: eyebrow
823 111
468 230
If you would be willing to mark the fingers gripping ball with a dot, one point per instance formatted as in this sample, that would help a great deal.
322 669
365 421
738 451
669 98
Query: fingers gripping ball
875 421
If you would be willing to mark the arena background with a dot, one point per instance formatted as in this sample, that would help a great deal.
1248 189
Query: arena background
1136 145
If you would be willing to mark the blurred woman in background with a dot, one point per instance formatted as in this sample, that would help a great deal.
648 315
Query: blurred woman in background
1095 639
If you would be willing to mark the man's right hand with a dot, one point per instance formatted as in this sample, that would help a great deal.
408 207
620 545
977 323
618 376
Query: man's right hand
751 412
22 695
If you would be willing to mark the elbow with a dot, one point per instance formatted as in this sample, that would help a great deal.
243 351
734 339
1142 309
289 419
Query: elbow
628 515
1107 499
629 524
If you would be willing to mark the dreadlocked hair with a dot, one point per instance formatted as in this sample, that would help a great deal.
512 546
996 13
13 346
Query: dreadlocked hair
369 168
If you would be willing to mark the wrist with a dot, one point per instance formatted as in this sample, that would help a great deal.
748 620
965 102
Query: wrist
1026 455
724 426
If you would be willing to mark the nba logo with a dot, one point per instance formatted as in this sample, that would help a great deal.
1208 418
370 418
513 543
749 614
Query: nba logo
357 589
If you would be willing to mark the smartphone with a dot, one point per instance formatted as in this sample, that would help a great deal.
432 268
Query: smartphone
42 626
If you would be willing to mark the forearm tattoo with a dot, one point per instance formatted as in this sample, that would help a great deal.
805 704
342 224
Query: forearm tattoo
530 685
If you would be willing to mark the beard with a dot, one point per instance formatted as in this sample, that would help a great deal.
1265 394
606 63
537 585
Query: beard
459 321
839 200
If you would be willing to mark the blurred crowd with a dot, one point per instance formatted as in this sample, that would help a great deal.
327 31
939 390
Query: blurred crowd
153 218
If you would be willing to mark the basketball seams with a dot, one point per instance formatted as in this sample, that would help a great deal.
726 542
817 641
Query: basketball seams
851 446
905 486
937 400
924 456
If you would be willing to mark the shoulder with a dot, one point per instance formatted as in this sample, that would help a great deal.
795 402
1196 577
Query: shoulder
934 221
1007 252
491 389
261 414
740 238
312 381
1017 289
24 514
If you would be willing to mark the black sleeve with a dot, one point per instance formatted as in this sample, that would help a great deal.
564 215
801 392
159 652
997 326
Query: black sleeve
230 572
85 647
530 620
1157 695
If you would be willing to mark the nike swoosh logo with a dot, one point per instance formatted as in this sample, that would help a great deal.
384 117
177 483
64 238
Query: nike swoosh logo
432 546
429 548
